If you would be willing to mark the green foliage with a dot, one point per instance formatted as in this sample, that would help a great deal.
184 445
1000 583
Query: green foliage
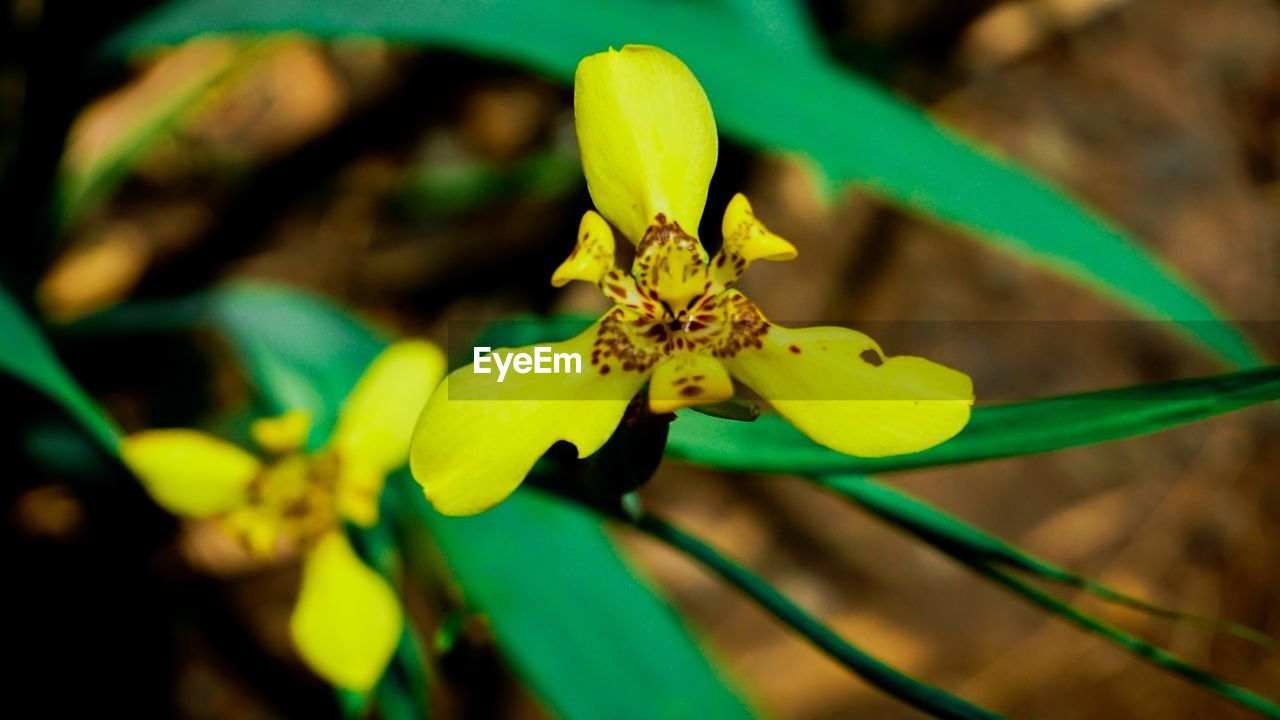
1136 645
27 356
994 558
915 693
972 545
770 444
772 88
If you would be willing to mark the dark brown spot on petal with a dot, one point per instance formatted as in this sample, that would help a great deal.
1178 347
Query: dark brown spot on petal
871 357
795 349
604 369
691 391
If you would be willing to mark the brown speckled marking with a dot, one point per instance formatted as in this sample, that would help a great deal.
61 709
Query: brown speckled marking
624 336
795 349
666 249
871 357
642 330
691 391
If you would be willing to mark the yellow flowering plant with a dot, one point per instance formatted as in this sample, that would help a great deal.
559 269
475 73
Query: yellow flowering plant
347 619
649 146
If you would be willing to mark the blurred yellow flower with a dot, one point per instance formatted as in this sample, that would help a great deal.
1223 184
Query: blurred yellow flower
649 147
347 620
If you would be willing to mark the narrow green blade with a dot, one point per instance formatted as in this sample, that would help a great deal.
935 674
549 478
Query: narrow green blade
770 444
26 354
1134 644
971 544
919 695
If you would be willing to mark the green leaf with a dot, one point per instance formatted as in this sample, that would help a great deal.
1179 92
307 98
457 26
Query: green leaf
971 545
84 182
771 95
26 355
1135 645
770 444
471 185
578 625
927 698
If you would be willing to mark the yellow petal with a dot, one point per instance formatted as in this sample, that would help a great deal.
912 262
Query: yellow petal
647 136
376 421
673 265
837 387
188 472
478 437
746 240
688 379
347 621
282 434
359 487
592 257
592 261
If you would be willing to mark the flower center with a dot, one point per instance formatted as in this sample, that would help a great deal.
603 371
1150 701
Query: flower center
291 503
721 325
672 264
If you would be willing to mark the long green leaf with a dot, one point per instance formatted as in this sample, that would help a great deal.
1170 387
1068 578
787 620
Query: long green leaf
971 544
25 354
924 697
770 95
1135 644
572 617
770 444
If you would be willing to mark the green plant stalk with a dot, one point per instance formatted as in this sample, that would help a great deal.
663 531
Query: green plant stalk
968 544
1162 658
402 692
984 554
923 697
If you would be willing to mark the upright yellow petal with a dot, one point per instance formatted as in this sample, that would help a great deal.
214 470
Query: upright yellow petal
837 387
347 621
647 135
359 487
282 434
479 436
746 240
188 472
376 421
592 256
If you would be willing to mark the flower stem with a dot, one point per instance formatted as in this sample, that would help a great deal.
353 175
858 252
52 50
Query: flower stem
923 697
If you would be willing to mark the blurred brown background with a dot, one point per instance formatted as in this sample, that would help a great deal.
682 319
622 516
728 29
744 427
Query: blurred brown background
424 188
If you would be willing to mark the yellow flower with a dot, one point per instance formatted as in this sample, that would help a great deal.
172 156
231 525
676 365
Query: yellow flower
347 620
648 142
